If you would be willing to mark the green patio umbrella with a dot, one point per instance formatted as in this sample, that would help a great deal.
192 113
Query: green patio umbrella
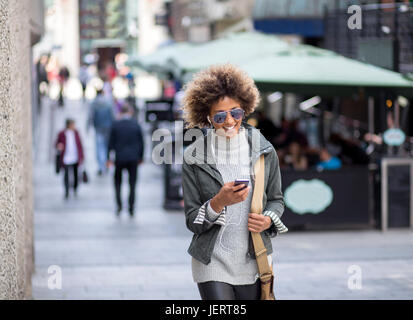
158 61
235 48
276 65
307 69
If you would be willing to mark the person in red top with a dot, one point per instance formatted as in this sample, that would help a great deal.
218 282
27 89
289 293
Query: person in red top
110 71
71 150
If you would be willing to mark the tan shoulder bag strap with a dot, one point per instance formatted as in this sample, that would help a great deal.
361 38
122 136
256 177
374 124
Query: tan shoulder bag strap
264 269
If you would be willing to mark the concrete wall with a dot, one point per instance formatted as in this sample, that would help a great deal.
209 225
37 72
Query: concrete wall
16 194
36 20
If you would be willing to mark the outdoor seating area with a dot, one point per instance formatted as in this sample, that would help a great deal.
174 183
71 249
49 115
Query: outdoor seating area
314 141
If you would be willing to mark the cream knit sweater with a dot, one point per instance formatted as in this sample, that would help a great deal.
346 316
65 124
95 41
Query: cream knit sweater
229 261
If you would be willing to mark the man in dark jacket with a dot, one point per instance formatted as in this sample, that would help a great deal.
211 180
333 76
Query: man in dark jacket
127 142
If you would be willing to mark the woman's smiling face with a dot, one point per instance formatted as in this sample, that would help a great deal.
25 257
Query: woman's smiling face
230 126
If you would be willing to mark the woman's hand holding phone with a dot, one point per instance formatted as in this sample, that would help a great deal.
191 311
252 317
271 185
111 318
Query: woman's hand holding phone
228 195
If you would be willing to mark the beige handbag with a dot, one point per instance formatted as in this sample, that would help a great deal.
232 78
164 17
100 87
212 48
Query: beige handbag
264 269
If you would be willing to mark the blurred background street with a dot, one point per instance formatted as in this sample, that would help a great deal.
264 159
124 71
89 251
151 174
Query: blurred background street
336 87
103 256
107 257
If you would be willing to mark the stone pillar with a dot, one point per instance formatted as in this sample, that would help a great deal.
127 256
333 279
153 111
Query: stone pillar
16 198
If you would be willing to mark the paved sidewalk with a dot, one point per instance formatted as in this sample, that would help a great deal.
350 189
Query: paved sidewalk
105 257
102 256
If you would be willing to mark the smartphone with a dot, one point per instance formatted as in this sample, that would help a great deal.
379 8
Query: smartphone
245 182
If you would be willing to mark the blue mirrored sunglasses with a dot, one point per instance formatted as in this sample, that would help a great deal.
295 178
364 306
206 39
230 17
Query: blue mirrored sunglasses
235 113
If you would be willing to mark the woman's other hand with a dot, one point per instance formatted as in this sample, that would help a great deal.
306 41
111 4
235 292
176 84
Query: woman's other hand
258 222
228 195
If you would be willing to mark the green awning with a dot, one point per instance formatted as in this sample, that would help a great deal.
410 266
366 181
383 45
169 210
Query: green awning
235 48
307 69
158 61
276 65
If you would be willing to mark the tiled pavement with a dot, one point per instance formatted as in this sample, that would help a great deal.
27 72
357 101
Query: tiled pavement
104 257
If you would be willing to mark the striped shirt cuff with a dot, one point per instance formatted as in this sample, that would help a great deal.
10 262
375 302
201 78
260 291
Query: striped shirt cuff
207 213
212 216
281 228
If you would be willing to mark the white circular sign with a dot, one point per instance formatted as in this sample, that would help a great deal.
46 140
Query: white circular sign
308 196
394 137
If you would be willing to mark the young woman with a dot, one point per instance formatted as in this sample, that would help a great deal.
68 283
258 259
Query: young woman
70 146
217 211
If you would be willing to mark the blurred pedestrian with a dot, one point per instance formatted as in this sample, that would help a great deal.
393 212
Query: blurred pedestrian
110 71
327 161
266 126
126 140
41 71
297 159
131 81
84 78
288 133
217 210
297 135
107 87
283 135
350 150
117 106
64 75
42 80
101 116
70 147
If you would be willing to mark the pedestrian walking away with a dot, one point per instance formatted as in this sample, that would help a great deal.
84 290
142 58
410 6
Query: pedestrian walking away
64 75
84 78
126 141
101 117
217 209
70 147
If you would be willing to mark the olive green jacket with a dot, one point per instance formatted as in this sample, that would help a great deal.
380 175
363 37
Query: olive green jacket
201 181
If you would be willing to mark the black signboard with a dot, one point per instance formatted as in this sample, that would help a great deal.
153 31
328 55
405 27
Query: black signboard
399 196
327 199
159 110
